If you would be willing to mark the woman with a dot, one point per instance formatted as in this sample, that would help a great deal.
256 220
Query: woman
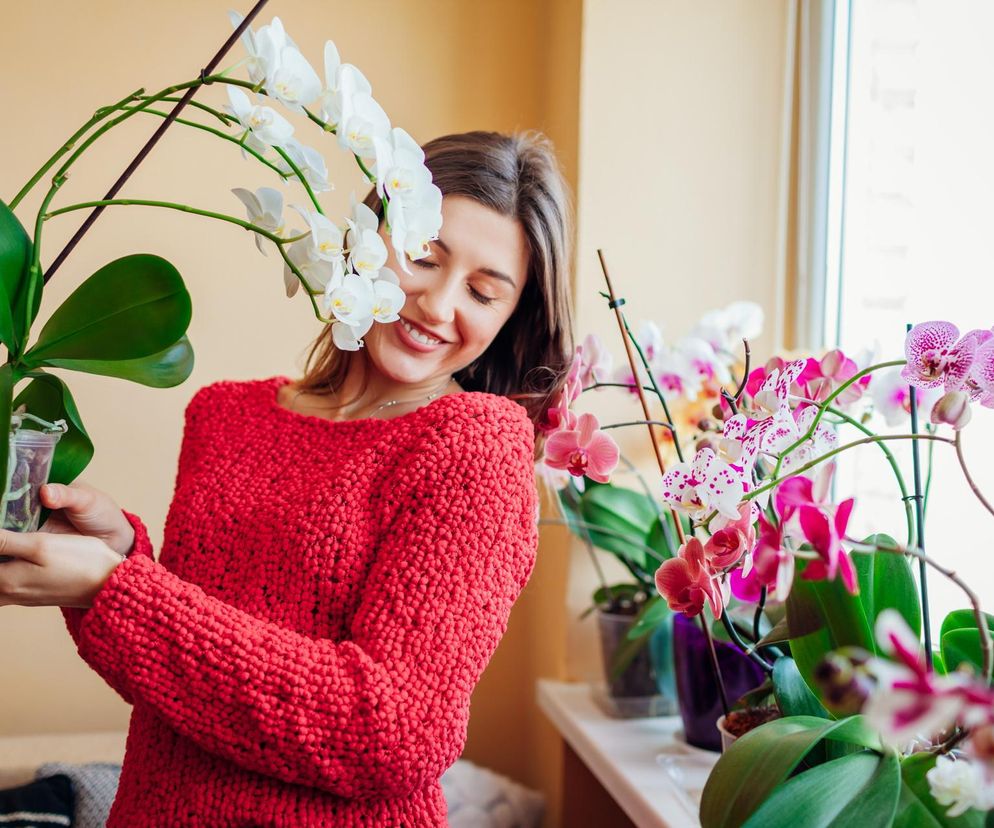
341 553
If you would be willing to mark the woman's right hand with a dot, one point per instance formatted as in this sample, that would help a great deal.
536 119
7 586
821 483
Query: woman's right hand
81 508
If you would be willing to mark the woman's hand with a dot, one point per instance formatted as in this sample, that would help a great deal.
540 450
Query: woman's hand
53 569
80 508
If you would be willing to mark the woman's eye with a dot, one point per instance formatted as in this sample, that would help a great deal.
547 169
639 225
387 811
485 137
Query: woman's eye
424 263
481 298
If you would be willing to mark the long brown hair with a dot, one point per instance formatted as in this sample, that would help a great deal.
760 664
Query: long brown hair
518 176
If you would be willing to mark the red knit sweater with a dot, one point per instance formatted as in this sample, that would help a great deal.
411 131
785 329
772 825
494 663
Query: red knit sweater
327 596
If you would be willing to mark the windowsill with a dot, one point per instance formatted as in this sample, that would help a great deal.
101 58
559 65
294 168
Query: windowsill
652 774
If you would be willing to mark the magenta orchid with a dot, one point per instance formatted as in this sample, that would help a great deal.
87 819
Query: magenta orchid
769 566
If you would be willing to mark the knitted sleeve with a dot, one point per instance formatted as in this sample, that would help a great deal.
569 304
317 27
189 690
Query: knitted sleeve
74 615
384 713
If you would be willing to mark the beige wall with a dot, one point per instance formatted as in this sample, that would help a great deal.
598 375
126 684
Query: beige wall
666 113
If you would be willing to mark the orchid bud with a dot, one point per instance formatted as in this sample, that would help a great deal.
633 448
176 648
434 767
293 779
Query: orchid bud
953 409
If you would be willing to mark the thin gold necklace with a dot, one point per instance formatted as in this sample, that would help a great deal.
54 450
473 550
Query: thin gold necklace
389 403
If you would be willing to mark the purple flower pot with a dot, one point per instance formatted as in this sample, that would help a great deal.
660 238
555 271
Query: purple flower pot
697 691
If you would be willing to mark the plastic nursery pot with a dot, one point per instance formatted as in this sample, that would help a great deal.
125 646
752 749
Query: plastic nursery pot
697 690
29 462
646 687
739 722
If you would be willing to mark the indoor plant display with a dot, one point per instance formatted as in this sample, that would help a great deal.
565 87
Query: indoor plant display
129 319
871 726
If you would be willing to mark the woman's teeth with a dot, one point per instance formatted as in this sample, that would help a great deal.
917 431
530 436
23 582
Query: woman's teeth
418 336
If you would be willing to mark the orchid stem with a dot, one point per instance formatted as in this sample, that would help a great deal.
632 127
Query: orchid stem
973 486
748 651
639 422
920 525
713 654
760 606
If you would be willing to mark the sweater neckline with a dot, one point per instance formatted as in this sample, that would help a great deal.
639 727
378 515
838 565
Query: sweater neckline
276 382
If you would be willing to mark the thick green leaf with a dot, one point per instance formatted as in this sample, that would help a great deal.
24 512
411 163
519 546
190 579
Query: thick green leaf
964 619
133 307
662 537
859 789
756 763
165 369
886 582
823 616
48 397
794 697
15 256
917 807
962 646
627 514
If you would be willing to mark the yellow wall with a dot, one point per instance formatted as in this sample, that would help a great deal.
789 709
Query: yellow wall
666 113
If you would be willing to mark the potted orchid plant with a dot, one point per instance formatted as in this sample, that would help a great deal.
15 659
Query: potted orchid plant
867 723
129 319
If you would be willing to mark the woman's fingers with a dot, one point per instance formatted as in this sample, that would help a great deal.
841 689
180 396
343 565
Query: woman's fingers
20 545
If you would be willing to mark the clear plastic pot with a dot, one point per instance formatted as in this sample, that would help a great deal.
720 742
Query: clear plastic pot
29 462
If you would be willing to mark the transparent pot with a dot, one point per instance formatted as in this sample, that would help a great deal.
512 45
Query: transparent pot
29 462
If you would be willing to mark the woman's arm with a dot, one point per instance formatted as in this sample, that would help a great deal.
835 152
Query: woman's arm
384 713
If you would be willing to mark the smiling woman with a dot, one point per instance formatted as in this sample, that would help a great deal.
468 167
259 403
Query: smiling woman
488 307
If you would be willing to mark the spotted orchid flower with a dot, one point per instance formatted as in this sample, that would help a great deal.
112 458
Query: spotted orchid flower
703 485
980 383
821 442
584 450
937 356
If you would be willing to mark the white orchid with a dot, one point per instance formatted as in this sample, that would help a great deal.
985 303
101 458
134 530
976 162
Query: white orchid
326 238
961 785
725 328
362 218
650 340
676 373
702 356
368 254
824 440
331 95
349 337
388 298
309 161
892 398
260 51
704 484
293 81
400 169
266 127
318 273
265 210
352 301
362 121
418 224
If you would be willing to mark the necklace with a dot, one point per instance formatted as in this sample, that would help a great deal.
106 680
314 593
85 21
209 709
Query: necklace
389 403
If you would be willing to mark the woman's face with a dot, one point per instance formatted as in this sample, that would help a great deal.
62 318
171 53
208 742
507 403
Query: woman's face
458 297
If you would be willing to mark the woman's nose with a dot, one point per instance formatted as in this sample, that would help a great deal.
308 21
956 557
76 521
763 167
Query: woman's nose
438 302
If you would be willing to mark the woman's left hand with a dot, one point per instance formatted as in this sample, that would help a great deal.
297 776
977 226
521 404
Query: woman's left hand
53 569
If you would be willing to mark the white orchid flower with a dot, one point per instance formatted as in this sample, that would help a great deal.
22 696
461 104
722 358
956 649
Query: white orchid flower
422 222
388 298
349 337
725 328
892 398
352 301
318 273
256 62
650 340
369 253
310 162
704 484
331 95
266 127
701 355
327 239
293 81
362 217
400 168
265 210
362 120
676 373
824 440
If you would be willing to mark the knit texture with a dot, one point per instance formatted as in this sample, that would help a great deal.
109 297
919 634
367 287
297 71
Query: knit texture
326 598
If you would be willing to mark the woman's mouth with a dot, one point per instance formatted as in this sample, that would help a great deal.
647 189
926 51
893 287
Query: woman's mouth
417 339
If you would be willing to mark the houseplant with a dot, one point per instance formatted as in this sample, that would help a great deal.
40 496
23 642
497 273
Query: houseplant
129 319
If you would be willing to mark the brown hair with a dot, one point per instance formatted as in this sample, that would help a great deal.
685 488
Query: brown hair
518 176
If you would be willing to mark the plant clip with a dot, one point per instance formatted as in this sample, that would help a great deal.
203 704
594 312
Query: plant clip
616 303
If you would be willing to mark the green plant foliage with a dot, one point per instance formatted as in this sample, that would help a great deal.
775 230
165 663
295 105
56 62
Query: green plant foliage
134 307
170 366
887 582
749 771
15 256
858 789
794 697
627 514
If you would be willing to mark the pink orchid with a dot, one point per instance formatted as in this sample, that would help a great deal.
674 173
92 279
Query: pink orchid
559 417
980 383
910 700
937 356
597 361
732 539
704 484
686 583
583 450
822 377
892 398
770 566
825 533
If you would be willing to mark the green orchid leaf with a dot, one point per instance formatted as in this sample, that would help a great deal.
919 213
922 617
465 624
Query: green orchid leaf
822 616
134 307
794 697
15 257
6 407
48 397
917 807
886 581
661 537
962 647
749 771
964 619
628 515
165 369
653 613
858 789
